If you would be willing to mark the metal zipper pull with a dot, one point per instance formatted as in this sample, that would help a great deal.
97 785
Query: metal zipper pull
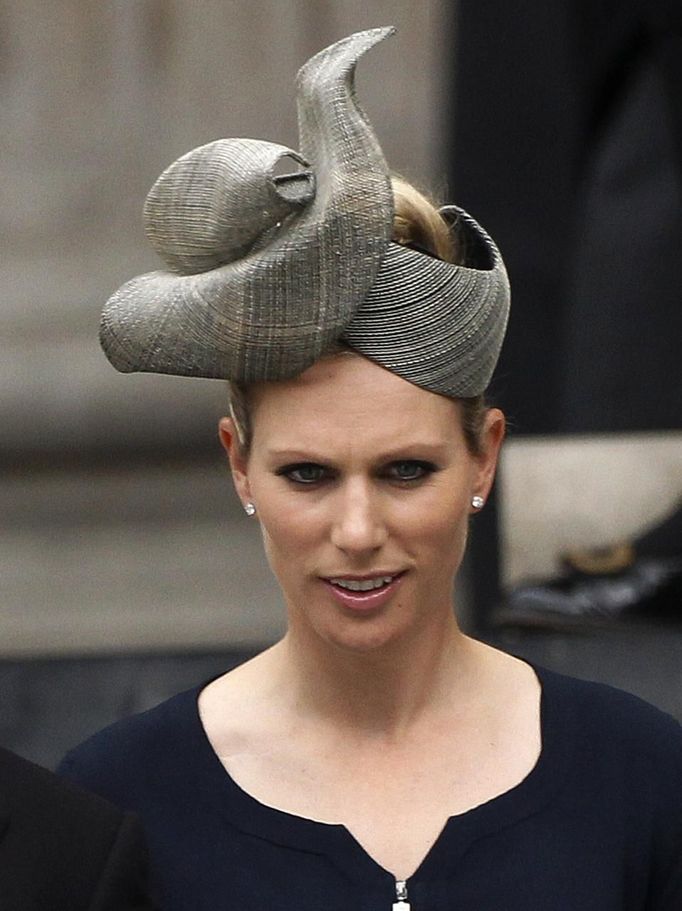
401 894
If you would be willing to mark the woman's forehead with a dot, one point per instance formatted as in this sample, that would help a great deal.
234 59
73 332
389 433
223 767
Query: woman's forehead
348 380
351 393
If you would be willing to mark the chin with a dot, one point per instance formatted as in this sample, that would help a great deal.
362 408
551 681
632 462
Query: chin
366 637
357 644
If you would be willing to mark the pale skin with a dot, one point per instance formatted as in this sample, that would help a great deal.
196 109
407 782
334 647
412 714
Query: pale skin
387 720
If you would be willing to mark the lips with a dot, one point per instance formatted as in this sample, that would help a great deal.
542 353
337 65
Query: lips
363 593
364 585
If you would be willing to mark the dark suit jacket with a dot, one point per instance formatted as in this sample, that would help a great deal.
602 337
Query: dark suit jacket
567 141
62 849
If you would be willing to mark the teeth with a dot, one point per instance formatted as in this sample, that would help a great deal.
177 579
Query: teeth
362 585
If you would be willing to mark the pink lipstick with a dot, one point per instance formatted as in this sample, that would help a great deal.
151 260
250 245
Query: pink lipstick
364 593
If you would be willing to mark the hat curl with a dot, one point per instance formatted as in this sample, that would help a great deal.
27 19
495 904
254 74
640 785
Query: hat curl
266 273
277 274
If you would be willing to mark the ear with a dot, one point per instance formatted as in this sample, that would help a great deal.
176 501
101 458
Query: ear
492 435
229 438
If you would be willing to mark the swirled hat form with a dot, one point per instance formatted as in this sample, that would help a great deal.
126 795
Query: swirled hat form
266 273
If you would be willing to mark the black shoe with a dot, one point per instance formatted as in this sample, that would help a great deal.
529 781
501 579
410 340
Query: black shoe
648 590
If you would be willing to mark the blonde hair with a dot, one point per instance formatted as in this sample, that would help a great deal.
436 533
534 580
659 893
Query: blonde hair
417 223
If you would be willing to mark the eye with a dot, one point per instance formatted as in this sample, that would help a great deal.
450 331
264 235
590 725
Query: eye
303 473
410 470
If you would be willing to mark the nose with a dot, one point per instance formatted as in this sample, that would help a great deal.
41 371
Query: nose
358 525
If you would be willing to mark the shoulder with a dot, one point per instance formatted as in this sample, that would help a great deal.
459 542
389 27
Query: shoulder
125 757
601 706
615 728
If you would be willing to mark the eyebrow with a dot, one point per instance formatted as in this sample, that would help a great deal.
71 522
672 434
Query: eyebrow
407 451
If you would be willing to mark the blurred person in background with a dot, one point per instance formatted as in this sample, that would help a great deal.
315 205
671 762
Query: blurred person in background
375 757
637 580
586 139
575 161
62 849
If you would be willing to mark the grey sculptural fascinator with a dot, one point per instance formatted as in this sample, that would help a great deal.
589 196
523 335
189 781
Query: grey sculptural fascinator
265 273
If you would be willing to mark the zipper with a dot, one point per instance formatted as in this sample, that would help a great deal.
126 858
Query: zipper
401 904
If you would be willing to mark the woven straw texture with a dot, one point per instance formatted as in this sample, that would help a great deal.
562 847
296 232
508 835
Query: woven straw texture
265 273
438 325
271 312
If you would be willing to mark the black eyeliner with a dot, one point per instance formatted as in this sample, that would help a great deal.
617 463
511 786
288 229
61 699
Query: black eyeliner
287 469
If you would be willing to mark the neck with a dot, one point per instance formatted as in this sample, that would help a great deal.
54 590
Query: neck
382 690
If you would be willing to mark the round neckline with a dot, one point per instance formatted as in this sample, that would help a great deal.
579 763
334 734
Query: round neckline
245 812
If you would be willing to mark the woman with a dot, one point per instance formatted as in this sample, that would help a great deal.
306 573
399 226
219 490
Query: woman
375 757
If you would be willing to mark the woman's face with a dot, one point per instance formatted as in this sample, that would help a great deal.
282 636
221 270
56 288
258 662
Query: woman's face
363 485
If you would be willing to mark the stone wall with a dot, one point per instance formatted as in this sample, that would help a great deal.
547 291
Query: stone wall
118 529
97 99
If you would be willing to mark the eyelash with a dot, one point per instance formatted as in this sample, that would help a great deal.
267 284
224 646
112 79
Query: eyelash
423 470
288 472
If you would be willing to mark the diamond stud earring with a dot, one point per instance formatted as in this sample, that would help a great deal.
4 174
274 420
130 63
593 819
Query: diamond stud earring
249 509
477 502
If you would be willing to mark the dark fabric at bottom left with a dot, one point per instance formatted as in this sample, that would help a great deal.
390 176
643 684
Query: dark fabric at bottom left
62 849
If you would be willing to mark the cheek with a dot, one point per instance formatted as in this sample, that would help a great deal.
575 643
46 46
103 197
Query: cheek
438 526
289 535
436 512
448 533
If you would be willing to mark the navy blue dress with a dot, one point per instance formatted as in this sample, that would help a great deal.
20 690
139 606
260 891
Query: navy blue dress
596 825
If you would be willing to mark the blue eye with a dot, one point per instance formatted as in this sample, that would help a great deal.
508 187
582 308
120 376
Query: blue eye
303 473
410 470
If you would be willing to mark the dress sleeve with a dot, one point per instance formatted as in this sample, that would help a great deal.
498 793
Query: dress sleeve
667 889
102 766
666 883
